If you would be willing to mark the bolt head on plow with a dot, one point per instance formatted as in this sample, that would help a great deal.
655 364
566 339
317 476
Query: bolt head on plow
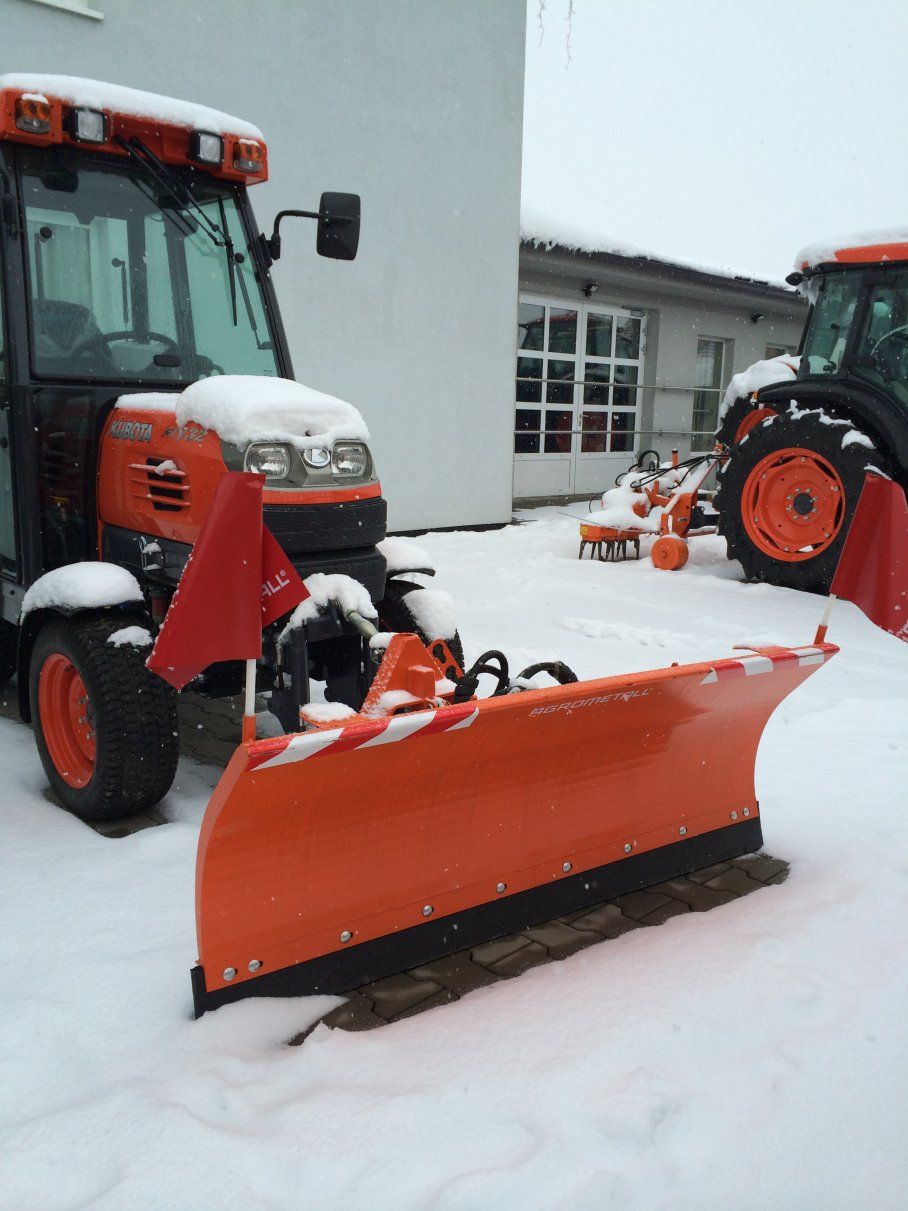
320 852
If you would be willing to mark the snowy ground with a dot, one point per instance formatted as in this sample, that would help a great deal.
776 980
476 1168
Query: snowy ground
753 1056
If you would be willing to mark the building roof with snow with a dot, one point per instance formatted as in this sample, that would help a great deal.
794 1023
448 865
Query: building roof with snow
561 237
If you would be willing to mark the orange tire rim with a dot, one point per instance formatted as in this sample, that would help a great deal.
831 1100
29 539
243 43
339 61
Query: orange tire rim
793 505
669 553
67 721
752 419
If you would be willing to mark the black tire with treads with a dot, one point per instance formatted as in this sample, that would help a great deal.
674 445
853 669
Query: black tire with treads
134 715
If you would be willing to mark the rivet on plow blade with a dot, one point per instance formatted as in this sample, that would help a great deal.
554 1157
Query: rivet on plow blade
312 838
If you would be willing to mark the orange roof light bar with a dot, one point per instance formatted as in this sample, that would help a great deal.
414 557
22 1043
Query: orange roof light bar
42 120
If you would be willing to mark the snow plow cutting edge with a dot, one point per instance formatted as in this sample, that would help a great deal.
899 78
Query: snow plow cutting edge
331 858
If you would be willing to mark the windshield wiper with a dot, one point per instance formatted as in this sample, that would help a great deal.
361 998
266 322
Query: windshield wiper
167 179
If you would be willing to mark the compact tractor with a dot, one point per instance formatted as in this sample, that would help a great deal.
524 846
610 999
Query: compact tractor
146 389
801 435
131 267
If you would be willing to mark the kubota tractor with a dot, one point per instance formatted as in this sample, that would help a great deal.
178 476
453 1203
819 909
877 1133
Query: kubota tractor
130 268
801 434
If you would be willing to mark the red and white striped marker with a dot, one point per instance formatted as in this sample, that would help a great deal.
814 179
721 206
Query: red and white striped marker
362 734
766 662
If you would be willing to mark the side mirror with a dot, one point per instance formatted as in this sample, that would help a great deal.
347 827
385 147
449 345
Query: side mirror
338 226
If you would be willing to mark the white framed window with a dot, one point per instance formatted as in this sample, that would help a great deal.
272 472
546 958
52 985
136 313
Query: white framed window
709 380
780 350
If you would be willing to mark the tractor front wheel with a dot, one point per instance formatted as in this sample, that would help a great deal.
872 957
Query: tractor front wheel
106 728
787 495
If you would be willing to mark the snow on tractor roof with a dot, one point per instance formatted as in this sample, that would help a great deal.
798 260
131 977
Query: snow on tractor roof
244 408
547 231
859 248
97 94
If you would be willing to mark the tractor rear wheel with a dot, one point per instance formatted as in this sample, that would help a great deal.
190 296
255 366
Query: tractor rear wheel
106 728
787 495
395 614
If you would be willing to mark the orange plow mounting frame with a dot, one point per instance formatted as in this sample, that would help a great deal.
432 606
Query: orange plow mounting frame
334 857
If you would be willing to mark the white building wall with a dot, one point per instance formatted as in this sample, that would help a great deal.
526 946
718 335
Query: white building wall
416 106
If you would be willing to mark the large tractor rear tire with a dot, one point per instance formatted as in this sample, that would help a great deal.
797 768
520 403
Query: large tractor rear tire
105 727
787 495
395 614
740 419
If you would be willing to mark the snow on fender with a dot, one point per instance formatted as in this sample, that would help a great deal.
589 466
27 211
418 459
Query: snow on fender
82 586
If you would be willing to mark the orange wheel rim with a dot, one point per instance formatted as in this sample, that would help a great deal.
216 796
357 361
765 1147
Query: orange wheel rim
793 505
669 554
752 419
67 720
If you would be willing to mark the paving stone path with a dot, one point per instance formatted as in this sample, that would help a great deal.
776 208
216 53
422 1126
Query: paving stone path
209 732
453 977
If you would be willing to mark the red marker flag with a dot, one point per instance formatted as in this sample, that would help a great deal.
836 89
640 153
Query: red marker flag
873 567
235 581
282 588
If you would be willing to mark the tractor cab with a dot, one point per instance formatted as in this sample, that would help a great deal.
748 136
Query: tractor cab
130 262
858 326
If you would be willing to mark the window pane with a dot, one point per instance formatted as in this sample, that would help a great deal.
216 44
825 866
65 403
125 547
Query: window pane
530 326
560 392
710 359
627 337
624 397
779 350
596 380
558 432
831 323
622 431
594 438
599 334
529 368
527 443
562 331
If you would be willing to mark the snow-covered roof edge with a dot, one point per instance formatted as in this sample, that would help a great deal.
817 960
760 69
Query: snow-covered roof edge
98 94
545 231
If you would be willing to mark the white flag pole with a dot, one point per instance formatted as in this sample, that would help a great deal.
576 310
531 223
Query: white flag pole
820 636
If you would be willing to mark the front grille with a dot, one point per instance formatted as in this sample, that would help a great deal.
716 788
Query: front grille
163 484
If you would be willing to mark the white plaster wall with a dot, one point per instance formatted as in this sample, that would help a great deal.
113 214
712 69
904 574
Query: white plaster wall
418 107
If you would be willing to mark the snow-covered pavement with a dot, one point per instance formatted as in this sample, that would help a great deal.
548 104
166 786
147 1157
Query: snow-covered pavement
753 1056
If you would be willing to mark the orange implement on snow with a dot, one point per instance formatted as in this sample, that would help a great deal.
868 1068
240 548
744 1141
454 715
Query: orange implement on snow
334 857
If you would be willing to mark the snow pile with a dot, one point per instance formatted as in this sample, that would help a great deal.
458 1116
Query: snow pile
433 610
403 556
324 588
82 586
823 252
244 408
326 712
136 637
97 94
761 374
547 230
855 438
618 508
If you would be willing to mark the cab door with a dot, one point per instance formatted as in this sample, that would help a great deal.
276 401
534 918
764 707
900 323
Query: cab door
8 560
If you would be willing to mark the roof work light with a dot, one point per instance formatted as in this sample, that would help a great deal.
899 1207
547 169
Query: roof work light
87 125
33 114
206 148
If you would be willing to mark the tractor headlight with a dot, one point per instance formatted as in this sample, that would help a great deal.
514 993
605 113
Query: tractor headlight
350 458
271 461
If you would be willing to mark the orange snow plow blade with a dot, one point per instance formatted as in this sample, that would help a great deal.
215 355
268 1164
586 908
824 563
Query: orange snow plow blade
331 858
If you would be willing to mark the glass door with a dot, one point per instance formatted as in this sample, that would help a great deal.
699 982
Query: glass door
577 396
